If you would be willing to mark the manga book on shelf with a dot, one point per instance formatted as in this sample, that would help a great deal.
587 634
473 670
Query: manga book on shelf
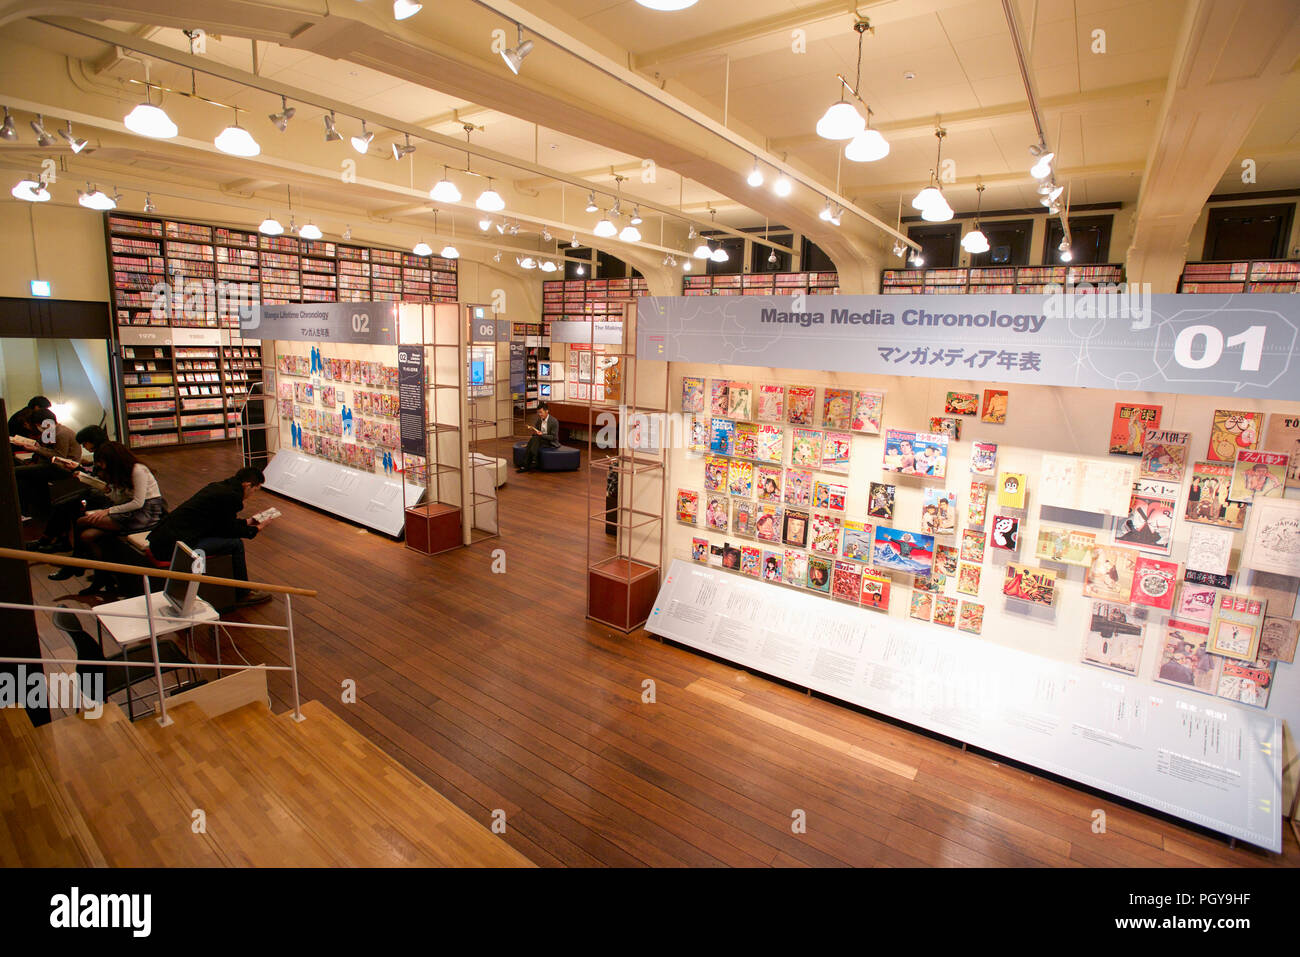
825 534
716 468
847 581
1230 432
719 403
767 523
800 404
692 394
1115 635
806 448
688 506
773 566
740 397
769 444
819 574
798 487
829 496
880 501
744 442
868 410
767 483
837 408
1185 659
1164 455
856 541
962 403
1129 425
740 478
796 567
771 404
836 450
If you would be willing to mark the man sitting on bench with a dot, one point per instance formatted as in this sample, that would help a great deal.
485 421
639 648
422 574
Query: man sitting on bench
209 521
545 433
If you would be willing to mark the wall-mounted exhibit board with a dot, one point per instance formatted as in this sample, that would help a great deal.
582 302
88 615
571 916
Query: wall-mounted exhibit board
1034 427
1205 761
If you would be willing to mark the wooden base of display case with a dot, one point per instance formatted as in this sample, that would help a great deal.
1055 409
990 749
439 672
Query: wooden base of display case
621 592
433 528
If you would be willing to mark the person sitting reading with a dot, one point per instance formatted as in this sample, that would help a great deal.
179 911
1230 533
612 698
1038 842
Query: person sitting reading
209 521
56 450
545 433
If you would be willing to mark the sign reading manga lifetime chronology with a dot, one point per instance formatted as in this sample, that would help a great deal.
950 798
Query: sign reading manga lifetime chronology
1195 344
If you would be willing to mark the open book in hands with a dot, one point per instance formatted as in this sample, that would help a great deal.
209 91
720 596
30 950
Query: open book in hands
261 519
22 441
87 479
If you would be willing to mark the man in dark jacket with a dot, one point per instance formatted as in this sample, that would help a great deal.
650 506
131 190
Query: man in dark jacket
209 521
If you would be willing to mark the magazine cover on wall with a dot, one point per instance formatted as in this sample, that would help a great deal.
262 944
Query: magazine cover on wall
611 377
903 551
731 556
1164 455
916 453
739 399
968 579
1196 603
939 512
692 394
806 448
824 536
1012 487
1207 498
1230 432
1149 524
740 478
946 559
1026 583
836 450
837 408
1235 630
868 410
1257 475
767 524
1246 682
1278 639
743 517
795 531
1154 582
984 458
995 407
1283 435
856 541
584 367
972 546
716 468
771 404
717 511
945 611
946 425
798 487
1005 533
847 582
745 441
1110 573
970 619
1115 636
1274 542
829 496
1185 658
800 404
1209 551
722 438
921 606
1068 546
880 501
773 566
767 483
718 399
699 550
751 559
962 403
769 444
1129 425
688 507
819 574
875 591
796 568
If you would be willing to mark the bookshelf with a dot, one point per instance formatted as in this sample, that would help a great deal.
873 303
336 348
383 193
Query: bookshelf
986 280
763 284
579 299
202 264
1242 275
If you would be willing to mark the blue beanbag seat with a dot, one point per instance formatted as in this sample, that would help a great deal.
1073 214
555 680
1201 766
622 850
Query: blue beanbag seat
562 459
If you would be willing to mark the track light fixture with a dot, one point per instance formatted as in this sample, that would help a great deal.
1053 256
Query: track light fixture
573 243
686 265
825 214
527 262
400 151
485 223
149 120
361 142
76 143
514 57
281 119
43 137
404 9
591 202
692 233
149 206
331 134
771 258
1042 167
837 217
514 229
32 190
917 260
546 235
496 257
236 141
347 233
7 130
636 216
755 175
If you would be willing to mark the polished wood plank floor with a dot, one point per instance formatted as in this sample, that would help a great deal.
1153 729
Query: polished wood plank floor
495 690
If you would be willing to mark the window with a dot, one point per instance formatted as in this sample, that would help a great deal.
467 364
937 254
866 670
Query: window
735 247
758 257
1248 232
939 244
571 268
1008 243
1089 240
813 259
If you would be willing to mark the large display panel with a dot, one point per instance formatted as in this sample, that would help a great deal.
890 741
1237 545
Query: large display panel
1206 761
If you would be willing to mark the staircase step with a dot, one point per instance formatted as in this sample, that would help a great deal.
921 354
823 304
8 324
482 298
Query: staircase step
319 797
246 818
414 807
131 810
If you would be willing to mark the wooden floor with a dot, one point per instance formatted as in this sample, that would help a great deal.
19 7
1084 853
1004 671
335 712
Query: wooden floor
495 690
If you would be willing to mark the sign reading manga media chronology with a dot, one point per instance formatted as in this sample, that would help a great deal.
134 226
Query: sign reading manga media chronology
1197 344
360 323
410 398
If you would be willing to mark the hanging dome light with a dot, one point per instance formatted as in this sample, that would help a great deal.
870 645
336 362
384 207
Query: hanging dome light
939 212
444 191
826 214
96 199
782 187
686 265
666 6
270 226
236 141
867 147
310 231
548 265
975 242
490 200
449 252
719 255
149 120
841 121
605 228
703 250
630 234
485 223
422 249
31 190
755 175
528 262
402 9
927 197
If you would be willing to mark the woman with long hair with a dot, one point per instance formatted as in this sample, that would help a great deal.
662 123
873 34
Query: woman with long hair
137 507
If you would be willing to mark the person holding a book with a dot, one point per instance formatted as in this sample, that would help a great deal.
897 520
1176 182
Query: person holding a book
209 521
56 453
545 432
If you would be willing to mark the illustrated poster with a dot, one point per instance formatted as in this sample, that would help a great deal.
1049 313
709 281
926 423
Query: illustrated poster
868 410
1129 426
1230 432
1164 455
1283 435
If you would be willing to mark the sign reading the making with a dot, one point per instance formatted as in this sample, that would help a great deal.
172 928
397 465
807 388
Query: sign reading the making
1194 344
361 323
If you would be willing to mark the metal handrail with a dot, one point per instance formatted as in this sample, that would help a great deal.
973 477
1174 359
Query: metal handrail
148 573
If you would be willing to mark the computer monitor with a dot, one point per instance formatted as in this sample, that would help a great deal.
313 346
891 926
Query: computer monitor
477 371
179 593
